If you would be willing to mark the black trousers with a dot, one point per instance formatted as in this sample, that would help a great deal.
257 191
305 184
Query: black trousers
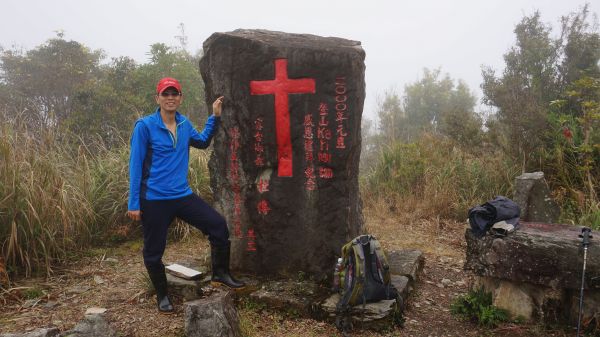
157 215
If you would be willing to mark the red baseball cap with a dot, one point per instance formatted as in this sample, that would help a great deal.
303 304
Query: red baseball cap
167 82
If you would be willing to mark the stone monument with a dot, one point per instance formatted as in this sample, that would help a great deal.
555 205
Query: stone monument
284 170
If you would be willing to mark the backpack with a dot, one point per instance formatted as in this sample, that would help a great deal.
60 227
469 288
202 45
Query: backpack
364 277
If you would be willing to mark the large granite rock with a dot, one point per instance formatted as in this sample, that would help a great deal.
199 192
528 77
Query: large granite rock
535 272
544 254
214 316
533 197
284 169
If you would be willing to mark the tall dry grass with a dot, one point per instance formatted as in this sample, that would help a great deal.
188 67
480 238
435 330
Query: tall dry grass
435 178
59 196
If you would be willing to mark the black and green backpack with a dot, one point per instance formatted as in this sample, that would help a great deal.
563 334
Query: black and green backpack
364 275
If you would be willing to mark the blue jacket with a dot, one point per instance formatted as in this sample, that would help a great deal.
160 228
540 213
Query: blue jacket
158 163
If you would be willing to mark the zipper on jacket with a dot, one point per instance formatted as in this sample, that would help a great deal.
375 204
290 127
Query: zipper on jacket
174 139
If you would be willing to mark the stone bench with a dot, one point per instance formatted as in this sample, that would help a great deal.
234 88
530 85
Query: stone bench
535 272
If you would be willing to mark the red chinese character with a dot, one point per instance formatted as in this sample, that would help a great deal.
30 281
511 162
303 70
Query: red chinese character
324 146
323 121
237 231
258 124
258 148
258 136
308 120
324 157
340 116
308 133
234 165
263 207
323 133
308 145
234 146
309 156
340 143
263 185
259 161
323 109
309 172
310 184
340 131
325 173
234 133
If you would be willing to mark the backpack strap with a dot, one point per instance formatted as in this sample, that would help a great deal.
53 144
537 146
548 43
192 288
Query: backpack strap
376 248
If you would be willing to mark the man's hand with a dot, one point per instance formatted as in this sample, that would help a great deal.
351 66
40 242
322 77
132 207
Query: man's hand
217 105
135 215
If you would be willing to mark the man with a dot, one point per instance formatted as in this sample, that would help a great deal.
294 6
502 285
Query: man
159 190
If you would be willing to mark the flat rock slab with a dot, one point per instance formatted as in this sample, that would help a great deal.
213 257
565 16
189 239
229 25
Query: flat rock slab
297 297
213 316
538 253
188 289
406 262
44 332
376 316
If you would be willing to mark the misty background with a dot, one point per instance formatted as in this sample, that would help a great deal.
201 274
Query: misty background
400 37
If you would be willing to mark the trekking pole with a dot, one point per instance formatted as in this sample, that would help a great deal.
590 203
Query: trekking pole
586 235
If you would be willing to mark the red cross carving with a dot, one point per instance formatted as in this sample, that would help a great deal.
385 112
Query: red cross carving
281 86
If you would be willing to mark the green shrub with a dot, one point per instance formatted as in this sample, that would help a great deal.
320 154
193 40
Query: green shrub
399 170
445 179
477 307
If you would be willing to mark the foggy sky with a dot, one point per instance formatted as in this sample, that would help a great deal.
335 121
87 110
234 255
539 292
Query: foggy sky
400 37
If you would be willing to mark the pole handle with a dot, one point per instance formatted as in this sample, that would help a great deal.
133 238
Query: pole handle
586 235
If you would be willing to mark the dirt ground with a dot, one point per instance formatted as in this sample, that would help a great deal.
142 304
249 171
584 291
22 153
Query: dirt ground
114 278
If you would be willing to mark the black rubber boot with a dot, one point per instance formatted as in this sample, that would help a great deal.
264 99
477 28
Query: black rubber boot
220 268
159 280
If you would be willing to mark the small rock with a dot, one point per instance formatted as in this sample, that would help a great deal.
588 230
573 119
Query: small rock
446 282
111 260
93 324
440 285
95 311
460 283
417 305
33 332
98 279
78 289
51 304
30 303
